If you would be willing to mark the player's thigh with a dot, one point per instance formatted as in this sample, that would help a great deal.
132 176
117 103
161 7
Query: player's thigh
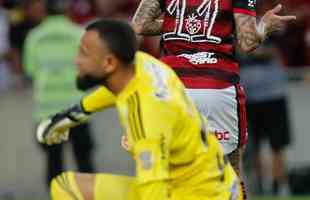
86 183
104 186
226 112
114 187
72 186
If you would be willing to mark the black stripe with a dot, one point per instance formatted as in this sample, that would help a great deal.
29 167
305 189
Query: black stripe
244 5
221 167
140 115
136 117
162 5
208 72
72 118
238 114
203 137
131 118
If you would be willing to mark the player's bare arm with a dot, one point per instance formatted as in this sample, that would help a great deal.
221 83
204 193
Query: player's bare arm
145 20
250 34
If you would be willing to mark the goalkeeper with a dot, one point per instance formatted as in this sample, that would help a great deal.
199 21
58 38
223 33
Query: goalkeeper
175 157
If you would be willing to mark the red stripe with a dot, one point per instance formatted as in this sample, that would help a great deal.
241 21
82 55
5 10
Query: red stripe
204 83
243 124
174 47
244 11
169 24
181 62
199 81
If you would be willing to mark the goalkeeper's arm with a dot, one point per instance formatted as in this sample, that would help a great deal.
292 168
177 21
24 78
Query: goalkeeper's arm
55 129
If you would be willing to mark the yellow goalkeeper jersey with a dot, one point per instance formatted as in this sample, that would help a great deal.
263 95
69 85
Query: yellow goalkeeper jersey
174 157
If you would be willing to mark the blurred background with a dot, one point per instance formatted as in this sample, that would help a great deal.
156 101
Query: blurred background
276 78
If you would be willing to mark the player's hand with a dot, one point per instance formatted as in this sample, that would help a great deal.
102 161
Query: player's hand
50 134
272 21
55 129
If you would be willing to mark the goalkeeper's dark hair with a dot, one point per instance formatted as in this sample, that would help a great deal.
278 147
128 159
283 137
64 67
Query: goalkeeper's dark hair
119 36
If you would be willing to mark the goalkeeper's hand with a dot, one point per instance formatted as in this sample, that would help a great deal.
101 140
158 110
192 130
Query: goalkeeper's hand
55 129
52 133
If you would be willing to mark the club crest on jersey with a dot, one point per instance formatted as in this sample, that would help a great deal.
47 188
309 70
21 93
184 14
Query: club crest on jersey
146 160
193 25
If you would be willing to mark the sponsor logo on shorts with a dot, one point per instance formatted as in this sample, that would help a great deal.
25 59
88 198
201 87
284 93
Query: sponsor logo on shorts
222 135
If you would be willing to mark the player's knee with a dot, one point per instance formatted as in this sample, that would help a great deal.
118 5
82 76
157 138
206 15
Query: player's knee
63 188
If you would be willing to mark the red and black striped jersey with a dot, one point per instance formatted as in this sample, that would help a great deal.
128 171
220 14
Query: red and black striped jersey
198 40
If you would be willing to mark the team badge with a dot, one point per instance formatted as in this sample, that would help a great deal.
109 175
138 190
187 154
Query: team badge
146 160
193 25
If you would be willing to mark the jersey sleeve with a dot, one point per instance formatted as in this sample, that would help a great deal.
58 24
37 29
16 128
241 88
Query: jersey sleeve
247 7
98 100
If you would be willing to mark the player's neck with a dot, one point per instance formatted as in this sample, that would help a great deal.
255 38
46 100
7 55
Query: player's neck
118 81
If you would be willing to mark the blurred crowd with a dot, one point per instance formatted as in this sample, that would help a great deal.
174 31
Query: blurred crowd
18 17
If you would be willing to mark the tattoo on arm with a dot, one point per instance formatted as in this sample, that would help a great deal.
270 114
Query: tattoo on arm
247 35
146 21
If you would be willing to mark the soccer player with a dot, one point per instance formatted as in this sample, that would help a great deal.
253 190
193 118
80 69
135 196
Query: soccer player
199 39
175 158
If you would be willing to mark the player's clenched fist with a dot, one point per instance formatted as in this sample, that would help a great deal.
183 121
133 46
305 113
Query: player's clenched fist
55 129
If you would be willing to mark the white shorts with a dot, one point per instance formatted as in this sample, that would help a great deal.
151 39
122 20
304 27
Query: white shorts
225 109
